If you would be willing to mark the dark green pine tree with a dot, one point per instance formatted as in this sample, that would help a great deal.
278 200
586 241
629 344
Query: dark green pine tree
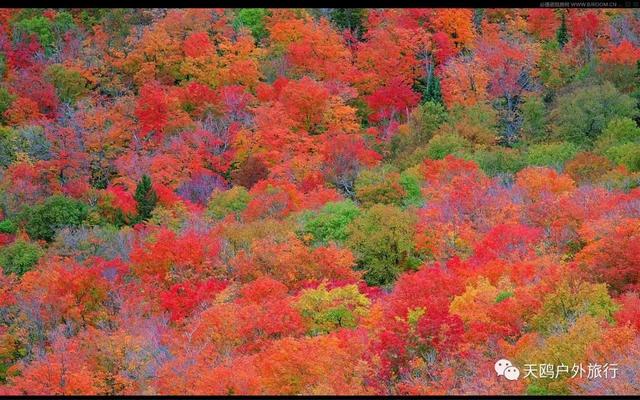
429 89
146 198
349 18
562 35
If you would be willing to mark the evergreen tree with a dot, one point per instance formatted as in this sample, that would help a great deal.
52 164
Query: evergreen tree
146 198
351 19
430 89
562 35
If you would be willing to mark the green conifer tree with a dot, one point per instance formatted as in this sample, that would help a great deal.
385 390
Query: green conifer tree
562 35
146 198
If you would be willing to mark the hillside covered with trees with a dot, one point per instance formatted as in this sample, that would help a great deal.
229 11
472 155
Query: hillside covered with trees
318 201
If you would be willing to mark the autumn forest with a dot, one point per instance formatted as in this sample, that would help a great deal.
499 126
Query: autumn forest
319 201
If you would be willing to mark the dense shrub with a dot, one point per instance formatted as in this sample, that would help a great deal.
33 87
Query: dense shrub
223 203
42 220
550 154
19 257
581 116
382 239
330 223
442 145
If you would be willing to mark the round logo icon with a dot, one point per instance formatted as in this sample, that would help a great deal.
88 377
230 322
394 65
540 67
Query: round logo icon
512 373
501 365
